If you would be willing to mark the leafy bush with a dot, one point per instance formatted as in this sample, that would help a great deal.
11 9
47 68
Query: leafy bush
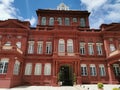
100 85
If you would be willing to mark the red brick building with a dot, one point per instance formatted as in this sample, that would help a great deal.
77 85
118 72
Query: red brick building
63 44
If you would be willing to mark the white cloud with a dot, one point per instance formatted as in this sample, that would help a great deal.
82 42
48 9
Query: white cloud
93 4
102 11
32 20
8 11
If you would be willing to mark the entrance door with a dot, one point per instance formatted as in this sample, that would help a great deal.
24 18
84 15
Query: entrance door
66 75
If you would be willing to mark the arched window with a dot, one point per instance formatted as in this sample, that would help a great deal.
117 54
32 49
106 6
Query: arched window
70 46
67 21
51 21
43 21
28 69
59 21
61 46
82 22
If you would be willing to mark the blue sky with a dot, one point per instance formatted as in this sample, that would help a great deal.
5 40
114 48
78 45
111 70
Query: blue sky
102 11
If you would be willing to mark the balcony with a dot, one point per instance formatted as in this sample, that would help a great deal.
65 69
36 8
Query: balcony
10 49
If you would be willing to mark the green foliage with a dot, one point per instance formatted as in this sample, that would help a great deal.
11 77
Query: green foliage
59 76
74 77
100 85
115 89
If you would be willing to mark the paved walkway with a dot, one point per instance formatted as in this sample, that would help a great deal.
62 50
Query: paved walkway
77 87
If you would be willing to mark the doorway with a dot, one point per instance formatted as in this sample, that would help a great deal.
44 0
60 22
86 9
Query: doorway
66 75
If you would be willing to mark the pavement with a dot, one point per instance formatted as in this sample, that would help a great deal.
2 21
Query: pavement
76 87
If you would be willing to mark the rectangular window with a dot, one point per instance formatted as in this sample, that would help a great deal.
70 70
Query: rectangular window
112 47
38 69
116 69
49 47
74 19
40 47
16 68
99 48
30 47
67 21
102 70
47 69
90 48
82 48
43 21
83 70
28 69
92 70
4 65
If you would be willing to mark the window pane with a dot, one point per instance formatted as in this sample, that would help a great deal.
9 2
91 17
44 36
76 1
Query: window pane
61 47
38 69
28 69
4 65
59 21
47 69
99 48
40 48
82 48
112 47
31 47
16 67
83 70
82 22
43 21
67 21
18 44
92 70
74 19
70 46
51 21
48 47
90 49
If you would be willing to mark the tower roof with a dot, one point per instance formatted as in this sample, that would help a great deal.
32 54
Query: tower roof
62 6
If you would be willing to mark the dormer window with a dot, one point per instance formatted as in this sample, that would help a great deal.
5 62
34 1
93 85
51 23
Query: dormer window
51 21
43 21
82 22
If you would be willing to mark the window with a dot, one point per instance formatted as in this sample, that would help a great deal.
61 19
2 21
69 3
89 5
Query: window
48 47
43 21
112 47
102 70
83 70
90 48
116 69
40 47
82 48
70 46
8 43
99 48
28 69
92 70
59 21
31 47
51 21
16 67
74 19
82 22
61 47
38 69
47 69
4 65
18 44
67 21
